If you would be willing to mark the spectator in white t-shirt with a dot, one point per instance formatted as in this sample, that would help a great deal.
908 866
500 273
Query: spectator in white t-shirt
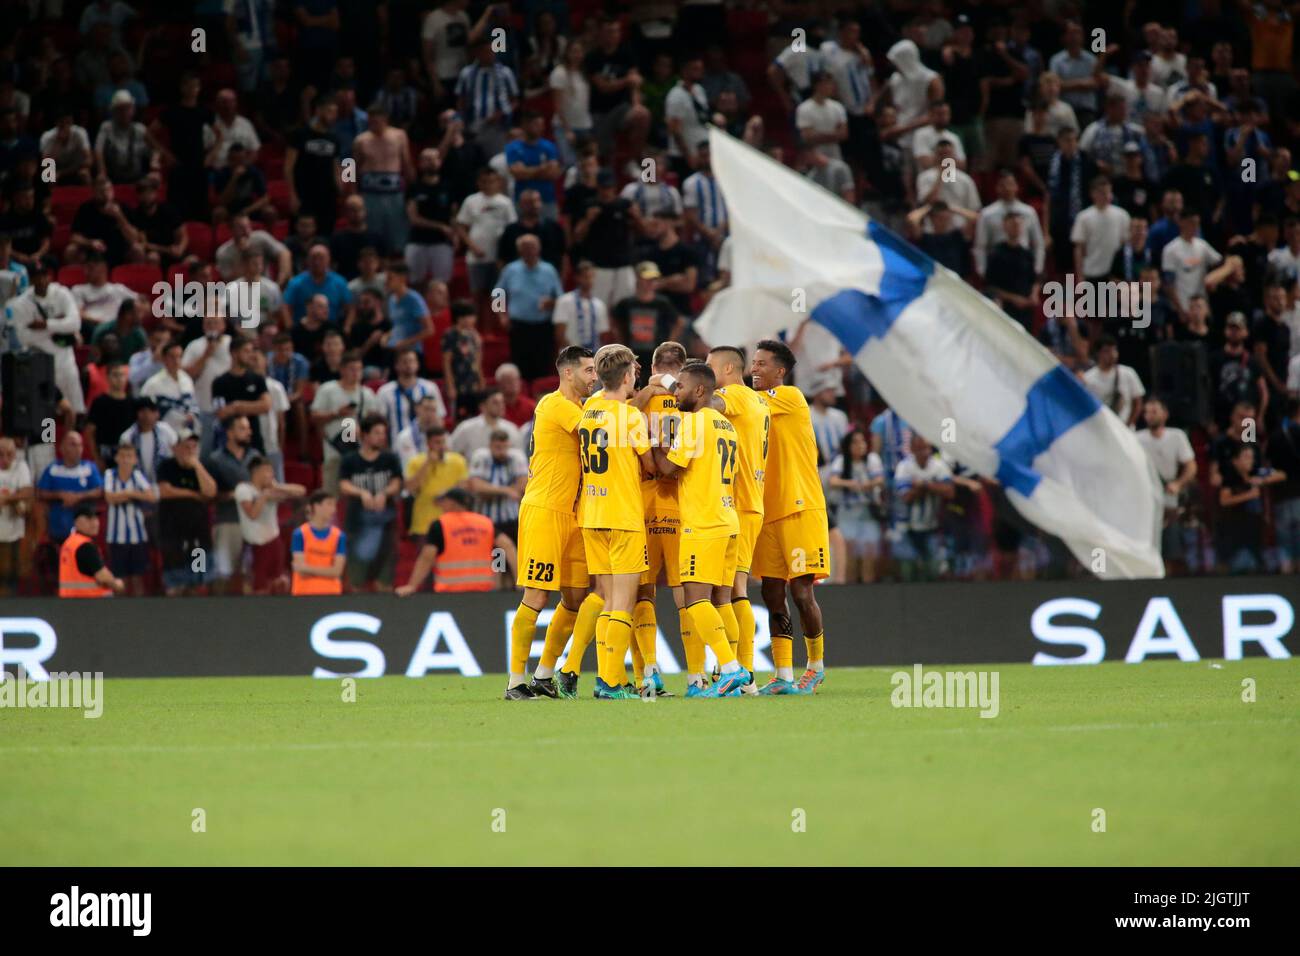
1188 262
686 110
205 360
823 122
173 390
258 501
475 433
1115 386
925 138
579 317
1175 463
1098 233
99 300
945 181
16 493
922 483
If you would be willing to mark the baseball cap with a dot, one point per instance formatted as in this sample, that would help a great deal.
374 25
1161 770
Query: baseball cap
962 20
458 495
185 434
605 178
122 98
1237 318
647 270
1142 56
1131 148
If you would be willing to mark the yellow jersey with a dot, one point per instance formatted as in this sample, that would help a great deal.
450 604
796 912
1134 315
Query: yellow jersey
659 494
451 471
792 481
707 449
554 471
747 410
611 437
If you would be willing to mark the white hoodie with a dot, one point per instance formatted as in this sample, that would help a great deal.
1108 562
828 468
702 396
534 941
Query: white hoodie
909 87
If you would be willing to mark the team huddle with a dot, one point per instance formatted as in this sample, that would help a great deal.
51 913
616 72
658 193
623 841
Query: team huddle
694 481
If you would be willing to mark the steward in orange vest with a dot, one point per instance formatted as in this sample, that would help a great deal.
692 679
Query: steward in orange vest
318 549
458 549
82 572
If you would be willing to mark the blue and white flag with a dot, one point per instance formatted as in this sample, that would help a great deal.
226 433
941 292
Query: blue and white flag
959 371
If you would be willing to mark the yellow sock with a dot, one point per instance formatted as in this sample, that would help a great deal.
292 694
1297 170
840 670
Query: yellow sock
729 625
557 635
816 649
602 623
618 635
522 632
638 662
645 629
584 631
744 612
706 622
691 644
783 655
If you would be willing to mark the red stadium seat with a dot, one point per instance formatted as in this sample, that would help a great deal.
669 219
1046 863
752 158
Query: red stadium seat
540 386
59 239
71 275
278 191
299 473
200 236
272 165
138 277
280 229
66 200
220 234
125 195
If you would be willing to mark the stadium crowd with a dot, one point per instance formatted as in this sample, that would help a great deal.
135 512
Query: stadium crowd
396 213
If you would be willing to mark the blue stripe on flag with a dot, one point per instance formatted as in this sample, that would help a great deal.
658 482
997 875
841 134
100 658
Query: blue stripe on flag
853 316
1056 403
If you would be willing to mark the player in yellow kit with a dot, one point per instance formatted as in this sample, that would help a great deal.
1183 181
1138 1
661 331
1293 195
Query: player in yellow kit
793 549
747 411
551 554
614 449
704 457
662 524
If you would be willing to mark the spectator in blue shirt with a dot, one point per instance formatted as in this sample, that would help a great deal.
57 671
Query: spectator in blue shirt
535 163
531 285
319 279
1165 229
66 483
407 310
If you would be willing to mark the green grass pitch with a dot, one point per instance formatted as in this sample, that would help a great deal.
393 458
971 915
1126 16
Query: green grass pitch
427 772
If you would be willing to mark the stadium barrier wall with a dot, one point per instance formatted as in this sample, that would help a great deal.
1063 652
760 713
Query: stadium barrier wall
1046 623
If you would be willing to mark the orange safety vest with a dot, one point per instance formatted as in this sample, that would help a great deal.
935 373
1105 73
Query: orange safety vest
72 583
318 554
465 562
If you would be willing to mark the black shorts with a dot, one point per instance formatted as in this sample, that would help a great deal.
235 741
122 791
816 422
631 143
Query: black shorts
510 529
129 560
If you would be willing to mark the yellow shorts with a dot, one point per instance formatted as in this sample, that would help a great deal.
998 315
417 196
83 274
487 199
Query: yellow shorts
662 538
614 551
551 555
751 524
793 546
709 560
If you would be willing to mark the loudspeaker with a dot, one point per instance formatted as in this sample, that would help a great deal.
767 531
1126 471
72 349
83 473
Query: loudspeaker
27 393
1180 374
